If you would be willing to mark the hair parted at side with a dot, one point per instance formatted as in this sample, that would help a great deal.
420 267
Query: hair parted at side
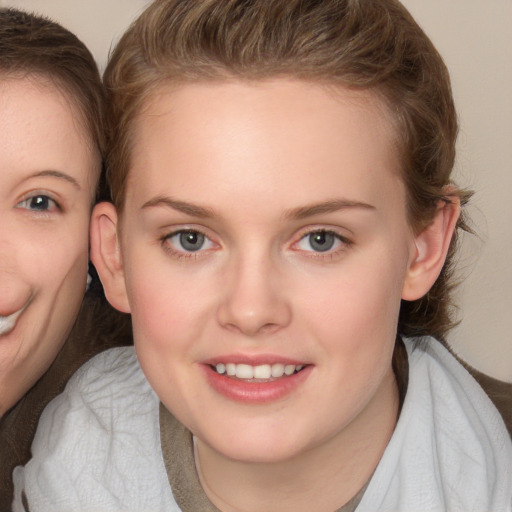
370 45
34 46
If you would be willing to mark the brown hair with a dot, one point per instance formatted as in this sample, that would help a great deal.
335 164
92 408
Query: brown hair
363 44
34 46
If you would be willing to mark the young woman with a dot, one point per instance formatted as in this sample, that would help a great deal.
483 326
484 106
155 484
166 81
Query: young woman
51 121
283 229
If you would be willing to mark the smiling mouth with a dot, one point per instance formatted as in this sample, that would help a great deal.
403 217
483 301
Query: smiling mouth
7 323
262 372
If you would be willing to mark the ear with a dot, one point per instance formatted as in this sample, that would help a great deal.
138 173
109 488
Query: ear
430 249
106 255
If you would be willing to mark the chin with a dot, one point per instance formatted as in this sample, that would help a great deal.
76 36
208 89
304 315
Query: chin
255 445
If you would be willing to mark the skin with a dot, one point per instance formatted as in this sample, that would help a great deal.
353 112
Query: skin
257 168
46 189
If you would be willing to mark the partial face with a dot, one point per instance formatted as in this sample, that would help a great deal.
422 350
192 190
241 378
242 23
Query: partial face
47 178
265 248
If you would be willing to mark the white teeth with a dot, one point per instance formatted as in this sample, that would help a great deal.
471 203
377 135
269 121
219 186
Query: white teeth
7 323
277 370
289 369
244 371
262 371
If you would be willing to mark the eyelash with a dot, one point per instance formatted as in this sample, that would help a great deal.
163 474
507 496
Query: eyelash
340 243
184 254
51 205
331 252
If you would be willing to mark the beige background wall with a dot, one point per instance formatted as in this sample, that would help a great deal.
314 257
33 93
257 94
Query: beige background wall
475 38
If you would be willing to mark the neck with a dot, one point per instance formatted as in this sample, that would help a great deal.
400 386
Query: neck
322 478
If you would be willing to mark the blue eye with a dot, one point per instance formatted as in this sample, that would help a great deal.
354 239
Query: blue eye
321 241
189 241
38 203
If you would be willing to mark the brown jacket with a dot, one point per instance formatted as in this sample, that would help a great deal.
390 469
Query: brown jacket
499 392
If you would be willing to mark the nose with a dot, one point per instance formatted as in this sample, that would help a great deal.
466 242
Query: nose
254 301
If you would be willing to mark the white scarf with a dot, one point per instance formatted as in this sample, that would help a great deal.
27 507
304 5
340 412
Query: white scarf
450 450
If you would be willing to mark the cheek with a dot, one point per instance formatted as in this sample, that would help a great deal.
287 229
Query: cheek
166 321
61 259
64 287
357 307
362 291
55 268
165 305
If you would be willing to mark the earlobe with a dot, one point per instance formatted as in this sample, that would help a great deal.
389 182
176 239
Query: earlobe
431 248
106 255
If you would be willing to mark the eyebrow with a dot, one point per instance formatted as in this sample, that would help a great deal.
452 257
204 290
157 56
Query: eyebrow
60 175
181 206
330 206
301 212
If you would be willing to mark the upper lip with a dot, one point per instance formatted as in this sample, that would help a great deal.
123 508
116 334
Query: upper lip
253 359
8 322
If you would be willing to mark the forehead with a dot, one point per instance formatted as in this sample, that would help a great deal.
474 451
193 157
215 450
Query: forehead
43 128
268 133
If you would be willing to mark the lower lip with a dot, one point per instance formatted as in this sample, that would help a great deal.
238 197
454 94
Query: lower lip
255 392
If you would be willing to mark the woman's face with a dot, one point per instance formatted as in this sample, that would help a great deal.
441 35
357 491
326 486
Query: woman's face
47 181
264 230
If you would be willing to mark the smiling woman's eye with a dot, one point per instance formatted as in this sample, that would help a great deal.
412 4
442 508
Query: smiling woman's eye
321 241
38 203
188 241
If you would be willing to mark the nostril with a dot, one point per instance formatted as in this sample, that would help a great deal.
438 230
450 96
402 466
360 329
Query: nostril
251 302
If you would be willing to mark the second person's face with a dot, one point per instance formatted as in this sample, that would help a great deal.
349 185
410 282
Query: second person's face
47 179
